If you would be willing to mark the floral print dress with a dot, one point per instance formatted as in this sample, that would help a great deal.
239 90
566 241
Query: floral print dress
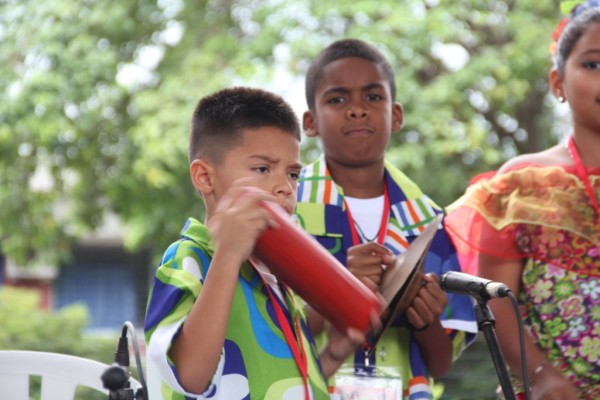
545 215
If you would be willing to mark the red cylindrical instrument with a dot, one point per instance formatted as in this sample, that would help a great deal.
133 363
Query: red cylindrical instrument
314 274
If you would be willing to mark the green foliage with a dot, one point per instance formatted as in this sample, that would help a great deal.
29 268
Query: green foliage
64 116
86 108
26 326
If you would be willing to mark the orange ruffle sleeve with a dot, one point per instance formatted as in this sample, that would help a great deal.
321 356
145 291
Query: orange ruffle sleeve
504 215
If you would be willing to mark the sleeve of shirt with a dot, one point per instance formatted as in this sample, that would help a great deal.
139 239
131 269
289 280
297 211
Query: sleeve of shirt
177 284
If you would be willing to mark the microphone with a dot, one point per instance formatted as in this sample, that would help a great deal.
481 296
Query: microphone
122 351
482 289
116 377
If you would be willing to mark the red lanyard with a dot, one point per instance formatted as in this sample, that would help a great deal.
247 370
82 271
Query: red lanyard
367 348
384 219
294 341
583 175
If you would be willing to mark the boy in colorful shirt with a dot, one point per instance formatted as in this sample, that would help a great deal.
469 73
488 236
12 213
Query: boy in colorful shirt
219 325
366 212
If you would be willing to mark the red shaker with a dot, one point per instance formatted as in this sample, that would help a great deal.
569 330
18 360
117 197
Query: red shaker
314 274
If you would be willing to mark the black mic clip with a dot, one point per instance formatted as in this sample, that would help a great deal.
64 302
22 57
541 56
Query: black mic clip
116 377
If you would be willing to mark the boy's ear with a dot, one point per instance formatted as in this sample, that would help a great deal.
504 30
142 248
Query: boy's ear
556 84
308 124
397 117
201 173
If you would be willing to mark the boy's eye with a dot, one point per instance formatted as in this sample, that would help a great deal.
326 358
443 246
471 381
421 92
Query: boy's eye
262 169
374 97
335 100
591 64
295 175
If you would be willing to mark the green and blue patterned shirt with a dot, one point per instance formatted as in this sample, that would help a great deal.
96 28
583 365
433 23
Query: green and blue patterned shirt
256 361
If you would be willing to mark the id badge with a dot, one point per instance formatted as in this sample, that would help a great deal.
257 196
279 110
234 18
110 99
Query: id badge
367 383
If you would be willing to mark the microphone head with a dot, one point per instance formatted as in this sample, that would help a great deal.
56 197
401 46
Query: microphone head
114 378
471 285
497 289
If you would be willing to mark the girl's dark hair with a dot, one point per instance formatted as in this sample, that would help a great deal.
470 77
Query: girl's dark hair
220 119
581 18
344 48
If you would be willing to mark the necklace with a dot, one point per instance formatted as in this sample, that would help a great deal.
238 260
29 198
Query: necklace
362 234
381 233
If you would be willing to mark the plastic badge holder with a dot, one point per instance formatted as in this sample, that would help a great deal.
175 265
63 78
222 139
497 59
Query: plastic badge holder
385 383
314 274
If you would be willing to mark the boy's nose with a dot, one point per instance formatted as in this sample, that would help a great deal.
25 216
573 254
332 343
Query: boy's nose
283 187
284 191
356 111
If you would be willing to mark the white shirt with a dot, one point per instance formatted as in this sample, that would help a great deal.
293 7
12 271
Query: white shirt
367 215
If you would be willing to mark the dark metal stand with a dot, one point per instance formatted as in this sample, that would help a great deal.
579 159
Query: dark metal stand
486 323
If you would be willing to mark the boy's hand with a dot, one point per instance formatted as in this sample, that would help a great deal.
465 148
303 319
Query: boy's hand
239 219
341 345
428 304
369 260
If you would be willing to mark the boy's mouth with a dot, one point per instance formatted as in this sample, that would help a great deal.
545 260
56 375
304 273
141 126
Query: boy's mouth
360 131
287 206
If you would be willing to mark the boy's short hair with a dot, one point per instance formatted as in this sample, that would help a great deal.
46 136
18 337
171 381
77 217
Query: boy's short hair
345 48
220 119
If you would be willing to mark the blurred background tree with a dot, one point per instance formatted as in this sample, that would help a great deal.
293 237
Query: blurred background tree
97 98
25 326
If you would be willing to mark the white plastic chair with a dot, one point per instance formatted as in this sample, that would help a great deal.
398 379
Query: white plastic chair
60 374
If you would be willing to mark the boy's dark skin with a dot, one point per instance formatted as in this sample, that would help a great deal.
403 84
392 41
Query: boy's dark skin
354 116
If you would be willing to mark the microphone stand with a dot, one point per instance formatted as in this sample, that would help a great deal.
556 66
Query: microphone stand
486 323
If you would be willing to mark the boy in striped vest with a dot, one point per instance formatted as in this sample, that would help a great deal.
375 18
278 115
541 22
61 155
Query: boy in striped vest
366 212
